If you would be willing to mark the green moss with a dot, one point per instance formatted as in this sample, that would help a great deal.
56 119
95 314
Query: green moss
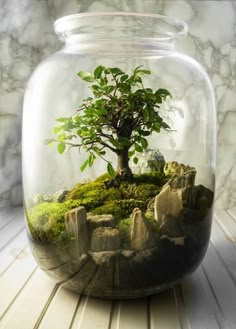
119 208
93 194
153 224
103 178
124 226
154 177
142 192
46 220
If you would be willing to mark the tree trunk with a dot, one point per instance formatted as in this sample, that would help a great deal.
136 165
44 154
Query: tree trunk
124 131
123 169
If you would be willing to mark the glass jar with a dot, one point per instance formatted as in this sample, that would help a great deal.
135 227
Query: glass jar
119 145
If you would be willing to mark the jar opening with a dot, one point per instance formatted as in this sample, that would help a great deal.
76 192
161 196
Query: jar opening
120 25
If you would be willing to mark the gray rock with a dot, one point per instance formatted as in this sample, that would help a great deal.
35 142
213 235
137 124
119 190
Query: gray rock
171 227
77 228
176 194
167 202
141 237
39 198
105 239
178 241
202 199
173 167
170 168
105 220
150 205
60 196
149 160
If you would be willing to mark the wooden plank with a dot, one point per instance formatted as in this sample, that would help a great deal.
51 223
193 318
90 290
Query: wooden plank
200 307
7 210
225 249
61 310
11 230
13 280
8 215
232 213
161 306
4 210
92 313
31 303
130 314
222 286
227 224
12 250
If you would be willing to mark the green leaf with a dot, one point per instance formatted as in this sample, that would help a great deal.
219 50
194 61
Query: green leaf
62 119
91 159
86 76
84 165
131 153
158 100
56 130
111 170
165 125
98 71
145 71
145 133
162 92
61 147
103 82
124 77
115 143
116 71
138 148
135 160
144 142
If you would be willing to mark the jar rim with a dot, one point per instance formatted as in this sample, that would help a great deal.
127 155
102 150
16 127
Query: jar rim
65 25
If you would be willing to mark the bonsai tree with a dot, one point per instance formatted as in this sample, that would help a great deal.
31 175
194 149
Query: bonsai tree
119 117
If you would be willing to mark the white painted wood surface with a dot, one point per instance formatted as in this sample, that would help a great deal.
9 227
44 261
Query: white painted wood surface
204 300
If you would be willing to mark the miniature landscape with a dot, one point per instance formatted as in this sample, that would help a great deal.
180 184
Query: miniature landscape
135 229
160 224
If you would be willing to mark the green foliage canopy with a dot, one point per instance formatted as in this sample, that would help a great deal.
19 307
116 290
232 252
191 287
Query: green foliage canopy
120 116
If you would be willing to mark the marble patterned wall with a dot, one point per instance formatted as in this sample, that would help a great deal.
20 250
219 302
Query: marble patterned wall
26 37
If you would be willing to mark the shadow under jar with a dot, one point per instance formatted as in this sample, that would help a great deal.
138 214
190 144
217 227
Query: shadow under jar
119 156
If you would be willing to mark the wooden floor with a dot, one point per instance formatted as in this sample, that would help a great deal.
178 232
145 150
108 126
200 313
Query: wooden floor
204 300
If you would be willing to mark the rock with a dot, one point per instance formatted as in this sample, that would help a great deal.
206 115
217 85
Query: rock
105 239
202 198
149 160
179 241
77 227
173 167
105 220
167 202
39 198
175 194
150 205
194 225
142 237
60 196
171 227
170 167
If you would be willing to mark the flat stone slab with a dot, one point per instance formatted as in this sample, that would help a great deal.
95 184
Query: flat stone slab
105 238
105 220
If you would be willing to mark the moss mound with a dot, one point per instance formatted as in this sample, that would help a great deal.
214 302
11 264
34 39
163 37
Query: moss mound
95 194
46 220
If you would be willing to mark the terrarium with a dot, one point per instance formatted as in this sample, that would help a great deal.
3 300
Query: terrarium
118 156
